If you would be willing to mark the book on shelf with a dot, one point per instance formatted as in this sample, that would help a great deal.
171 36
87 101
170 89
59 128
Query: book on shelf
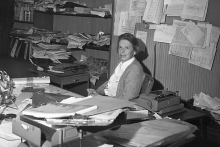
24 11
58 110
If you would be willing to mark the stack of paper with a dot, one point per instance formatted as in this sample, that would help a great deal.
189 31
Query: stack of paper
206 102
58 110
211 104
39 52
77 41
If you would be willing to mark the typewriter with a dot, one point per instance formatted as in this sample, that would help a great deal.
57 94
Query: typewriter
160 101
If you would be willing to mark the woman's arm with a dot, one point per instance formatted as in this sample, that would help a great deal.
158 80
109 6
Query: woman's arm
101 88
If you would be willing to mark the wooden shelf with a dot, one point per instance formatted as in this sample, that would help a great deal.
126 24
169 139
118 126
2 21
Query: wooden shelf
87 46
68 14
19 21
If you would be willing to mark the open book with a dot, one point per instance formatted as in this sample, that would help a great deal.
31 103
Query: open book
58 110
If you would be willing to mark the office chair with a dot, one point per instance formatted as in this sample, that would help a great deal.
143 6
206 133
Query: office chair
147 84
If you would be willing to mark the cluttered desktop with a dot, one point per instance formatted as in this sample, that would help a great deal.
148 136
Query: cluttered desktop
37 113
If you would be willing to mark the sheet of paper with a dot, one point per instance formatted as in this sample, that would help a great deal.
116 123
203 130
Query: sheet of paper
137 7
126 26
205 57
181 51
215 34
58 110
174 7
6 132
72 100
180 39
206 28
142 35
164 33
192 32
195 9
122 5
153 11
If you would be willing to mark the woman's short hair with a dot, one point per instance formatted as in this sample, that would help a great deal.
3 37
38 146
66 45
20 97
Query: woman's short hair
132 39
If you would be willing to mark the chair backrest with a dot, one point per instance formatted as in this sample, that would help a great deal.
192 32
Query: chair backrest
147 84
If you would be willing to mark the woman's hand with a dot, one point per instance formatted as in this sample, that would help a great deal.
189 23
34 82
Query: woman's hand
92 92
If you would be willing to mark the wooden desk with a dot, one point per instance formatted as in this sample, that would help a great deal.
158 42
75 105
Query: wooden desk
53 136
192 116
65 80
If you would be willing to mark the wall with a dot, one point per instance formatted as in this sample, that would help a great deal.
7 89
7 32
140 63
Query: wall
176 73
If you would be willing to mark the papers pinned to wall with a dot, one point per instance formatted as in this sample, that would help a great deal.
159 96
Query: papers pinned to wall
205 57
174 7
187 9
154 11
164 33
195 9
142 35
137 7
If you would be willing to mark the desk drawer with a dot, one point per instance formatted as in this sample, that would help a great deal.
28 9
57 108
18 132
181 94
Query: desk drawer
74 79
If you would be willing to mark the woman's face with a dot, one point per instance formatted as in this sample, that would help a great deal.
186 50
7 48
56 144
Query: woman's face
125 50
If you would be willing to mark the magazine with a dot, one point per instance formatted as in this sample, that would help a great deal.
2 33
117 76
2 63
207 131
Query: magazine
58 110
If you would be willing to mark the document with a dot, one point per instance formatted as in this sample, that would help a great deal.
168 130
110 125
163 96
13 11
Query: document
58 110
164 33
126 26
204 57
181 39
142 35
195 9
153 11
180 50
174 7
192 32
137 7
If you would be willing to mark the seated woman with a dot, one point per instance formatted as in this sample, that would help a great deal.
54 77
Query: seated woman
127 79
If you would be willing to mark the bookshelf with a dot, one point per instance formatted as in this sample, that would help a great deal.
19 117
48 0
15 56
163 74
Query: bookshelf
23 11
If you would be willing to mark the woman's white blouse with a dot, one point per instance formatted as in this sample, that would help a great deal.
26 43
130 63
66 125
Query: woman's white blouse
112 85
